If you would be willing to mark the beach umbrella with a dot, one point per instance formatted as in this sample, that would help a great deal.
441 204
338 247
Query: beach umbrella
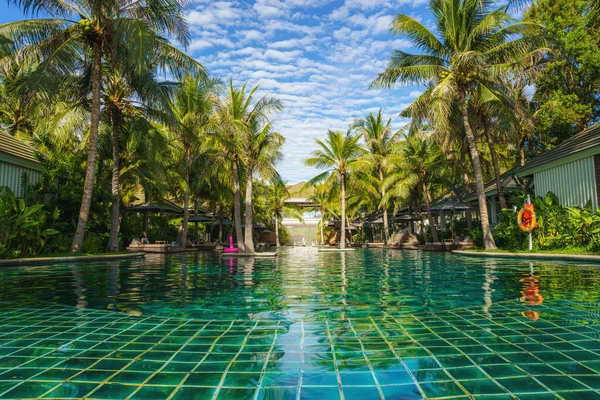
200 218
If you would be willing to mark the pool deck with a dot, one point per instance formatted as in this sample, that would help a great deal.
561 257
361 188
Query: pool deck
260 254
53 260
527 256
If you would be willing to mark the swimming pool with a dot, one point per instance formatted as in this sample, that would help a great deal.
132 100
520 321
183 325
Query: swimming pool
369 324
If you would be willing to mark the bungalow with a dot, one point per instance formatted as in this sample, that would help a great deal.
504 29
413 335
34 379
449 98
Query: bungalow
18 165
570 170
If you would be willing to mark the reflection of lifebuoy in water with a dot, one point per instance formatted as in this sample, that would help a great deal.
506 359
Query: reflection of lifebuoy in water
531 293
526 218
532 315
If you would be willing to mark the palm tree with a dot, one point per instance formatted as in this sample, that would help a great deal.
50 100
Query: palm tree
379 138
465 60
193 106
337 155
62 45
262 150
241 123
278 195
417 162
322 196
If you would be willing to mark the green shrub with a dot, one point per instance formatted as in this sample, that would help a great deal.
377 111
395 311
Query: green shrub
24 229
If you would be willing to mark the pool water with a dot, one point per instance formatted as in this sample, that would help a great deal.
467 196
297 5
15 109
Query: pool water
305 325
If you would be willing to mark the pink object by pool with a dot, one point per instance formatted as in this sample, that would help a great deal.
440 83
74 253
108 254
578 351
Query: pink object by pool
231 249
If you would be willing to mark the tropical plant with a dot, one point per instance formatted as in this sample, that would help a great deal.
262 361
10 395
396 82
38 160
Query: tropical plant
379 139
24 229
277 202
418 162
465 59
245 136
193 106
61 47
337 155
322 195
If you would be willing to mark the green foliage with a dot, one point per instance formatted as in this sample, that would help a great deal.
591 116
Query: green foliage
94 243
559 228
24 229
566 89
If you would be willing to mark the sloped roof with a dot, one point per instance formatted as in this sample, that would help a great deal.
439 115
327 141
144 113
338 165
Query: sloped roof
587 139
14 147
509 180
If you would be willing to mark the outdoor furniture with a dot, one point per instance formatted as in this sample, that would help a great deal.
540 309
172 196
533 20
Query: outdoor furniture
160 242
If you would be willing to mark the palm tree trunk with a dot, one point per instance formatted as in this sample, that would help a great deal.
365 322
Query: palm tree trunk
521 149
88 186
434 233
386 227
248 239
492 147
322 236
277 244
186 206
113 243
343 227
488 239
221 223
237 212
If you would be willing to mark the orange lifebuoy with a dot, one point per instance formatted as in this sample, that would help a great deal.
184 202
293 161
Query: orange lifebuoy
526 218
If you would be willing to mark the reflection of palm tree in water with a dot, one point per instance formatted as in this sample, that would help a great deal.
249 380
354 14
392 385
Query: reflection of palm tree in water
489 279
531 294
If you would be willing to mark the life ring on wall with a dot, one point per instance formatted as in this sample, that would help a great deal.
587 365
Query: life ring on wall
526 218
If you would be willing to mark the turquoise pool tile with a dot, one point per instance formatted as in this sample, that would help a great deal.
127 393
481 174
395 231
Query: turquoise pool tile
561 383
360 393
130 377
319 393
112 391
404 392
203 379
192 393
242 379
521 385
29 390
71 390
583 395
482 386
167 378
156 393
241 394
441 389
288 393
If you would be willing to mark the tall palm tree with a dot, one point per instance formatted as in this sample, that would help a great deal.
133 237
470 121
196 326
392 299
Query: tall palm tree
278 195
322 196
418 162
193 105
241 121
379 138
337 155
78 36
464 59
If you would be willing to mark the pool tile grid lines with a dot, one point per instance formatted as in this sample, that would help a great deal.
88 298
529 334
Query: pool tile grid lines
435 334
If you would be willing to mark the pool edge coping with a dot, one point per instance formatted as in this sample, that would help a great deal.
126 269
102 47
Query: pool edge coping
573 257
45 260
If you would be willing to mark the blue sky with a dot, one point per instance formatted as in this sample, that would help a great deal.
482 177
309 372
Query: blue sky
317 56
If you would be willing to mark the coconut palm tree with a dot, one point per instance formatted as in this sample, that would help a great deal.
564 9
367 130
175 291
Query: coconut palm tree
262 150
322 196
193 105
464 59
379 139
337 155
417 162
278 195
78 36
239 122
